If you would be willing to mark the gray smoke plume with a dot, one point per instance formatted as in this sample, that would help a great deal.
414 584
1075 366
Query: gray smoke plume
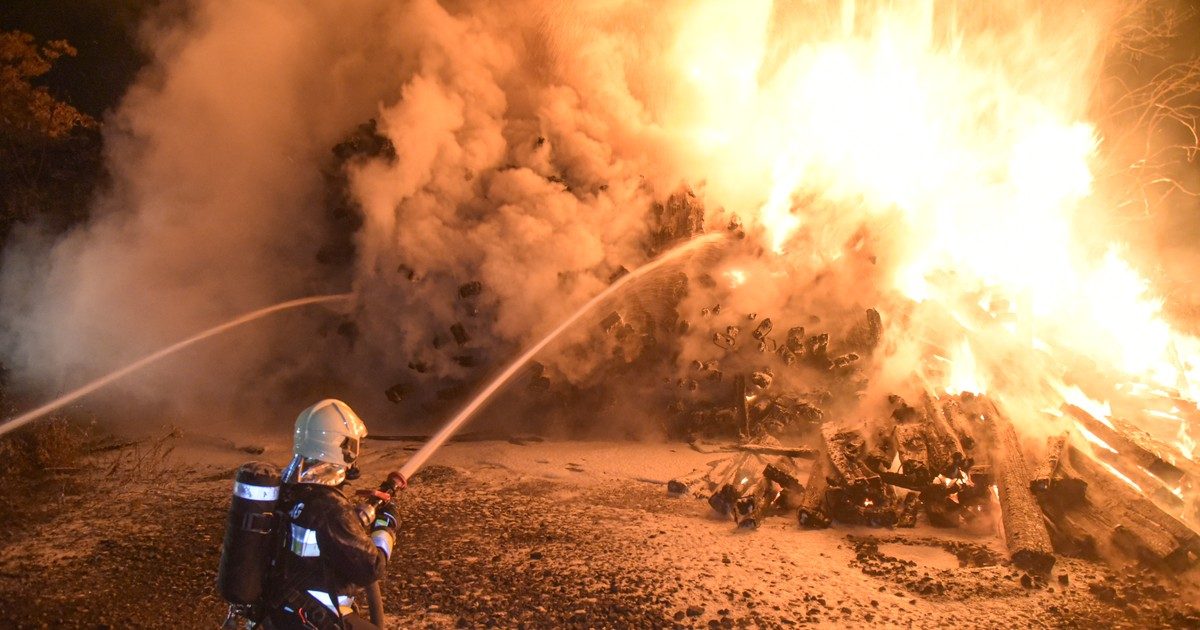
521 146
520 163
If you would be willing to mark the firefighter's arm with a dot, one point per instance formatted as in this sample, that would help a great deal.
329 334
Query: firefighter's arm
351 550
383 530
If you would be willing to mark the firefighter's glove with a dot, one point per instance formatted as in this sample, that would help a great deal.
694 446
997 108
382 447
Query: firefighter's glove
383 530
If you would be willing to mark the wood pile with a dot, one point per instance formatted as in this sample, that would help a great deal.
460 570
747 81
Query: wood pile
958 458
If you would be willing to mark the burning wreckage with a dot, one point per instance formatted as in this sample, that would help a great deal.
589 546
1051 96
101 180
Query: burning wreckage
957 459
1105 491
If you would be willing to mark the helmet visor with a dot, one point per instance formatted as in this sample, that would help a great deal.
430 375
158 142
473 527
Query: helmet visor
350 449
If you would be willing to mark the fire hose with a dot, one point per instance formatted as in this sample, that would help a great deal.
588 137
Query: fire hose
394 483
398 480
375 605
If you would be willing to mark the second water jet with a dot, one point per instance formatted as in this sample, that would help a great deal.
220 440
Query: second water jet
419 458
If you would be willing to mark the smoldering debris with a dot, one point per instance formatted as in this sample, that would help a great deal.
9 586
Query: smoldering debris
956 461
769 380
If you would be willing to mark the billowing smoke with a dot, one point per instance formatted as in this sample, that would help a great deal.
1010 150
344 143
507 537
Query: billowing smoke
476 171
520 162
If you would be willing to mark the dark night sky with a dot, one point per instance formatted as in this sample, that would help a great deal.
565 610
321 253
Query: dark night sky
104 31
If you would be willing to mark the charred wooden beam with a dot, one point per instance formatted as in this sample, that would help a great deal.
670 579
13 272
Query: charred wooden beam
724 501
763 329
1137 524
801 452
882 448
866 334
1025 532
1079 531
849 506
1104 523
785 478
1148 443
812 512
906 512
695 483
1049 468
946 454
901 480
784 475
976 497
856 493
941 511
914 454
1050 479
1136 450
741 404
845 449
1152 486
960 421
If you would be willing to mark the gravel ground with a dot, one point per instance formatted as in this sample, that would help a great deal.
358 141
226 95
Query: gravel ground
534 534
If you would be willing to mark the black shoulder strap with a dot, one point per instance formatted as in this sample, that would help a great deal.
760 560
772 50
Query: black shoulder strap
333 596
291 589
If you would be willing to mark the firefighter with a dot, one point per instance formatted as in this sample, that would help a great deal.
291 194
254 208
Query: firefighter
330 548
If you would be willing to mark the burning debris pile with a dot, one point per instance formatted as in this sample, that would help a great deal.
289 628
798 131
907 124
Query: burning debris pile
958 461
767 380
624 337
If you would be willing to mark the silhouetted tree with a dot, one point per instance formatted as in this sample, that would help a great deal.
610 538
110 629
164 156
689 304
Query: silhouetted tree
49 151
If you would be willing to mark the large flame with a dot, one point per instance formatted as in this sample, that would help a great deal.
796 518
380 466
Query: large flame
963 129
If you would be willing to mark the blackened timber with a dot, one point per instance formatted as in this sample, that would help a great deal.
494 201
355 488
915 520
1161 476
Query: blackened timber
1122 443
1049 468
802 452
783 477
978 493
694 483
1137 523
906 513
900 480
946 454
914 455
812 513
724 501
1150 485
1025 532
844 449
741 404
941 511
1100 525
961 422
1081 531
882 448
1050 477
1148 443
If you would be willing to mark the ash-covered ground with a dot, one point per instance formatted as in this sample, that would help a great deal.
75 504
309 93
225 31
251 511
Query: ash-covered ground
532 533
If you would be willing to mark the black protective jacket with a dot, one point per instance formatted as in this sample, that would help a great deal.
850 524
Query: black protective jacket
325 547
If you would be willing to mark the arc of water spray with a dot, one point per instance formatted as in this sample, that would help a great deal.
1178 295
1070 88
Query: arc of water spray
418 458
66 399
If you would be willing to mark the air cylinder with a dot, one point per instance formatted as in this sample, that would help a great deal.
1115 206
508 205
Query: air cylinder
250 533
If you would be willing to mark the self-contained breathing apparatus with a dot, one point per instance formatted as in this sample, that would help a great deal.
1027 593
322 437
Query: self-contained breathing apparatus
251 540
326 445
